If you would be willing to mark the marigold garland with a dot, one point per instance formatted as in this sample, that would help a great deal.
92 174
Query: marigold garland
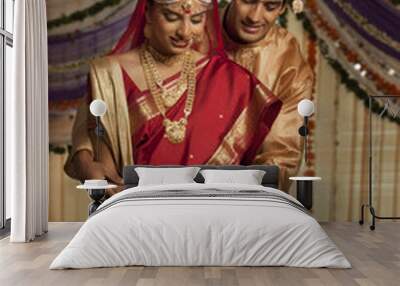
312 60
65 104
81 14
59 149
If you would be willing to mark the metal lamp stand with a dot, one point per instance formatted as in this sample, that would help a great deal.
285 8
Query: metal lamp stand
99 131
303 131
96 195
370 205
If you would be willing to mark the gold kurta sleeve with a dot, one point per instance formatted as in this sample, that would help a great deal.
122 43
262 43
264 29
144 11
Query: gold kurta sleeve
290 78
106 84
278 63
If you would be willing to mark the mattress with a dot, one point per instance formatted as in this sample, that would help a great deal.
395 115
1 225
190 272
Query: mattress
201 225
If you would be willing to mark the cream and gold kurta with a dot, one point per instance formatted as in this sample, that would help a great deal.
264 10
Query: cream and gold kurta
278 63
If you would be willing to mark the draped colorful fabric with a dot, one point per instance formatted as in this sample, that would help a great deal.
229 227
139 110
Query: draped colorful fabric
361 43
376 21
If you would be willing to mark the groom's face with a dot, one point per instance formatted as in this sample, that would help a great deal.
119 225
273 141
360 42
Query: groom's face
252 19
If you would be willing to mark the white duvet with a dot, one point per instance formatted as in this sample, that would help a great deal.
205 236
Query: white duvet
200 231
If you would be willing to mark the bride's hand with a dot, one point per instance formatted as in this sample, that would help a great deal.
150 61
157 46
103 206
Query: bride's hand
88 169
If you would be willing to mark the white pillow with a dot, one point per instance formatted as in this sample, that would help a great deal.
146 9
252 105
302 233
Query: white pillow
162 176
248 177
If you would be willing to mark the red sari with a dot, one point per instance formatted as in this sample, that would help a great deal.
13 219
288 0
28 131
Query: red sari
232 114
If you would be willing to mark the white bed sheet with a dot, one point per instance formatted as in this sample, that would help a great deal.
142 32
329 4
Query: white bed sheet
200 231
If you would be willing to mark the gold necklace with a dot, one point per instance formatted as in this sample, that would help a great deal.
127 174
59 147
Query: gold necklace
171 96
166 60
175 130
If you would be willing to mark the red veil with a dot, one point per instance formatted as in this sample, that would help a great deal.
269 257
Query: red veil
133 36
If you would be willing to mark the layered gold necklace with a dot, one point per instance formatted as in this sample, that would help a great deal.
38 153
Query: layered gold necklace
166 60
175 130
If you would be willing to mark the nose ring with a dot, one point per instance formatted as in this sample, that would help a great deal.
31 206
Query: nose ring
196 38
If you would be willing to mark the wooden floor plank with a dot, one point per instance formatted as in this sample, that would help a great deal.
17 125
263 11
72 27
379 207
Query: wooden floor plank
375 257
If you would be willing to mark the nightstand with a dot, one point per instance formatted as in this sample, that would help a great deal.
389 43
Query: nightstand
305 190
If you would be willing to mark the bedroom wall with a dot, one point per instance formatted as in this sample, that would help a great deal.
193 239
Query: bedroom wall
340 145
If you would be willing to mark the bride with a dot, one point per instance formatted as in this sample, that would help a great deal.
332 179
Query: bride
167 102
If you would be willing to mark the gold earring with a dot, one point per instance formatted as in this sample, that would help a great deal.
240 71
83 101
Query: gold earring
297 6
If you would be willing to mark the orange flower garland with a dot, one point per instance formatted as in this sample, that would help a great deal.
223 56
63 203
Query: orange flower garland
63 105
312 60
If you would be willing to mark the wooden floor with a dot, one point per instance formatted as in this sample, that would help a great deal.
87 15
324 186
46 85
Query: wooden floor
375 257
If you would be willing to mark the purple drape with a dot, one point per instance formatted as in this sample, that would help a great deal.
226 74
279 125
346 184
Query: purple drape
69 53
384 17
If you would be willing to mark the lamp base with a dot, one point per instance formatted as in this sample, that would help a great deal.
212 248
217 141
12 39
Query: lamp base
96 195
305 193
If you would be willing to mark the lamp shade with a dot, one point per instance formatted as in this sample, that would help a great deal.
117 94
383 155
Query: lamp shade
98 107
305 108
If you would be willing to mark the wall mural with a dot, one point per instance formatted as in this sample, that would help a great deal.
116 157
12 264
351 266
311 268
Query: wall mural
175 109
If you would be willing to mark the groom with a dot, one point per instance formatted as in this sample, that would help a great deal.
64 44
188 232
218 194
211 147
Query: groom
253 40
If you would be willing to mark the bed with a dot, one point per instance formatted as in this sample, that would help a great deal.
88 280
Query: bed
201 224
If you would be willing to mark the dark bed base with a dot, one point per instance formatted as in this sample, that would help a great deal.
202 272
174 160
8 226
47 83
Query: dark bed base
271 177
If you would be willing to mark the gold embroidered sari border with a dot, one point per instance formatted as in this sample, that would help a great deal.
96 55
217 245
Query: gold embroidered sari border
238 138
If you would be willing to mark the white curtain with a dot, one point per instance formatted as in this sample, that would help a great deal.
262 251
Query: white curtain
27 124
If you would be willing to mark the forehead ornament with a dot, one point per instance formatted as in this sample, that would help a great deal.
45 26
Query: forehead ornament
187 6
